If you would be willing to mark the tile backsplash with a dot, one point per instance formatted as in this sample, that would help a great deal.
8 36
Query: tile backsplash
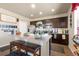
8 27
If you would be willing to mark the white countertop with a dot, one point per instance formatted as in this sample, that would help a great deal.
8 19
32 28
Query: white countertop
36 41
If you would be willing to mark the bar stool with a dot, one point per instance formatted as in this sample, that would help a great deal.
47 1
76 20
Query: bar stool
27 46
33 48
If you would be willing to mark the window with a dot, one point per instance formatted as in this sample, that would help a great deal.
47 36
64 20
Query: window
7 18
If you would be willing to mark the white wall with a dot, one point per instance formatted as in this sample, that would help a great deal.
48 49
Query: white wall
72 30
22 27
10 13
49 17
6 38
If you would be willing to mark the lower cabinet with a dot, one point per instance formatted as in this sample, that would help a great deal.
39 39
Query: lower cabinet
60 38
50 41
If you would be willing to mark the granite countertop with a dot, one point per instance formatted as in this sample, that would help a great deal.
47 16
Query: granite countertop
28 44
40 41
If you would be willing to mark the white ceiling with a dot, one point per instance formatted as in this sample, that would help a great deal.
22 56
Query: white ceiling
25 9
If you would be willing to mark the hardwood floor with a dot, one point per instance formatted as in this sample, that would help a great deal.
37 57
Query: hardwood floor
3 53
60 50
56 50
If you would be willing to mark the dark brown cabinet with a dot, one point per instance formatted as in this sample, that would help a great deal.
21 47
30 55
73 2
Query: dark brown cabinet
59 39
61 22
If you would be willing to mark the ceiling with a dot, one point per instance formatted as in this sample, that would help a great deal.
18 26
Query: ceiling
26 10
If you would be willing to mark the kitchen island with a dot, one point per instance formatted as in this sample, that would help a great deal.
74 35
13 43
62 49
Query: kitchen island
43 42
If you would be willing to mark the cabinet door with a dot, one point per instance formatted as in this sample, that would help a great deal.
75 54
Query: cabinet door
56 39
63 22
60 40
65 41
55 23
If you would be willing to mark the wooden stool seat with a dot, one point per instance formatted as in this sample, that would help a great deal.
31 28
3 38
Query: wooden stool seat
27 46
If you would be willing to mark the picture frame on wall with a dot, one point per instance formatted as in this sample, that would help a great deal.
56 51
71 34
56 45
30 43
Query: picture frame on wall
71 20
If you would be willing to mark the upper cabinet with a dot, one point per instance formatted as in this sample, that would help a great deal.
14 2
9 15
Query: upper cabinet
61 22
7 18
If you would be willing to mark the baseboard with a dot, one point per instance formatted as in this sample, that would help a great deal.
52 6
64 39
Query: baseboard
4 47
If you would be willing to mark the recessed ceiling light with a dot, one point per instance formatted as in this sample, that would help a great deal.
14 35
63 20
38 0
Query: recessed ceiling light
33 5
31 15
52 10
40 13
